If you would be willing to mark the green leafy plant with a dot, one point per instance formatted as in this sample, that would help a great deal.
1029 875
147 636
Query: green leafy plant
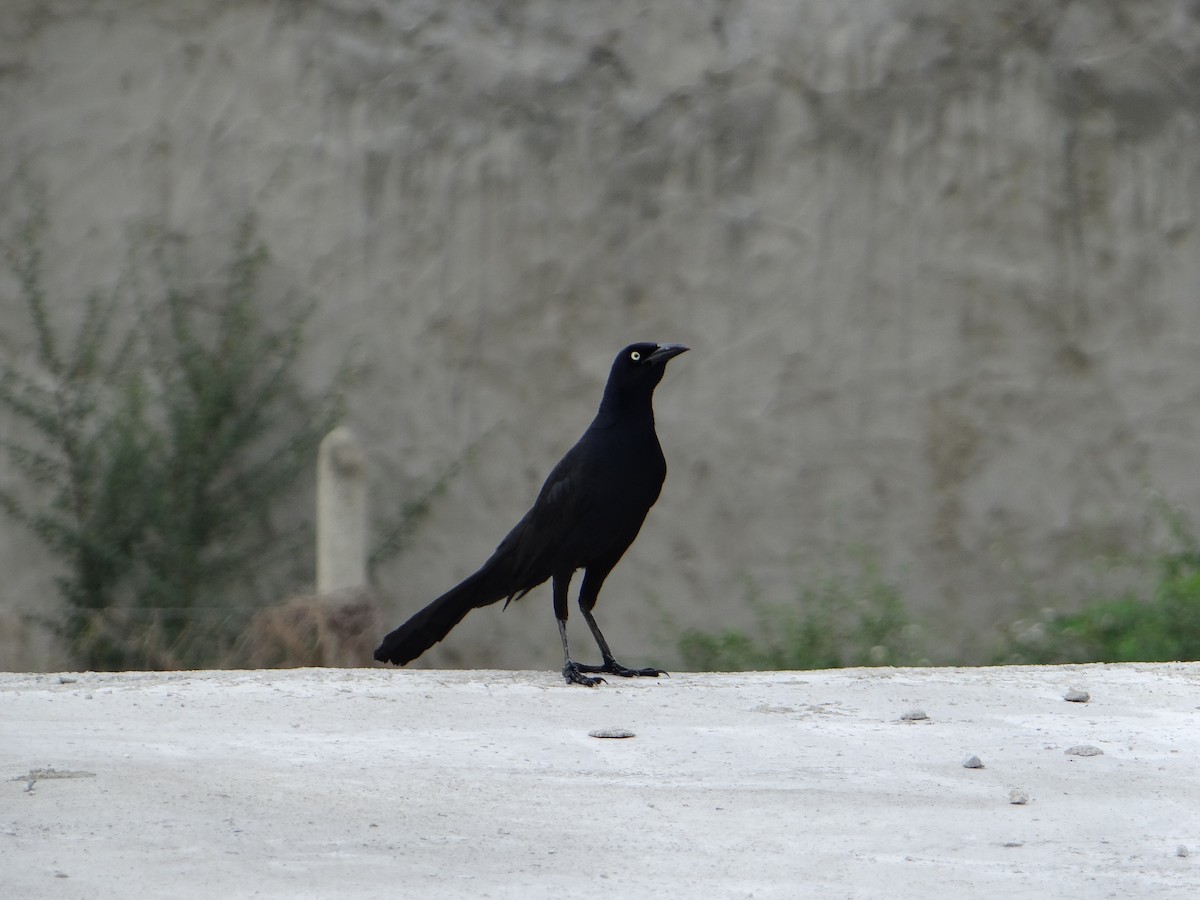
838 622
1162 628
158 445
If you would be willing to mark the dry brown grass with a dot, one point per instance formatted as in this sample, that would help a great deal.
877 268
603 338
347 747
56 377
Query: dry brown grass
339 629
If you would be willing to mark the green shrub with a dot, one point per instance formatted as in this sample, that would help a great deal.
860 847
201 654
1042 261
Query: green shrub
158 455
839 622
1165 627
863 622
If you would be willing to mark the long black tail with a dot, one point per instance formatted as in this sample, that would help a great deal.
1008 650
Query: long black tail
434 622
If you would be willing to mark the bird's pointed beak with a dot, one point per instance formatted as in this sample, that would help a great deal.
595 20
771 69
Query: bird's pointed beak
667 351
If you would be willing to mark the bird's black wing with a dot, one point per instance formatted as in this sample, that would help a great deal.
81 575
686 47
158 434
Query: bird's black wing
544 541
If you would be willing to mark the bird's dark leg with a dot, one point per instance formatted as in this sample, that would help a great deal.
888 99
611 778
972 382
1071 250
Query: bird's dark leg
571 670
610 665
588 593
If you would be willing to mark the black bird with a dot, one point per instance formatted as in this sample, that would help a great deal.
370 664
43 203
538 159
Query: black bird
585 517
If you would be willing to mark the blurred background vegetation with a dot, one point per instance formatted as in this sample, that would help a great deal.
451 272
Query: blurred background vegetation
162 444
865 622
938 263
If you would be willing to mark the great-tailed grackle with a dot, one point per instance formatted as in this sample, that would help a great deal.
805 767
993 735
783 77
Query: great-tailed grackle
585 517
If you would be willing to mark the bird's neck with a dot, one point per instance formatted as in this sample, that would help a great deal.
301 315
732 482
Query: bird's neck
624 409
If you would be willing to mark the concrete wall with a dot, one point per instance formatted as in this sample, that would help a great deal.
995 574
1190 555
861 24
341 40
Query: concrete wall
938 262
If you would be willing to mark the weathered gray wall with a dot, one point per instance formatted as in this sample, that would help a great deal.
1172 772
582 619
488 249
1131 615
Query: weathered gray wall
938 262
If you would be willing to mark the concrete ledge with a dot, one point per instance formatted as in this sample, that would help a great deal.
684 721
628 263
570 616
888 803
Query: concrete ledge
396 783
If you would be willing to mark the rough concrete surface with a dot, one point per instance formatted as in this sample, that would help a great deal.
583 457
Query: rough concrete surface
938 262
371 783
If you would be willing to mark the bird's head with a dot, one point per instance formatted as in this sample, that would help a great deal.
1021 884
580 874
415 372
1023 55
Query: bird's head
639 367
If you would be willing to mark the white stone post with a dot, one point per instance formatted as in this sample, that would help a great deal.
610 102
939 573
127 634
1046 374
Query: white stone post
341 512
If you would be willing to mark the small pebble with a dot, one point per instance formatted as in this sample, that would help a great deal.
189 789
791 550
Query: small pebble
1018 797
611 733
1181 850
914 715
1084 750
972 762
1074 695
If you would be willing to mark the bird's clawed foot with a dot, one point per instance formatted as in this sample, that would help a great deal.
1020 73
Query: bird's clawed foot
573 673
612 667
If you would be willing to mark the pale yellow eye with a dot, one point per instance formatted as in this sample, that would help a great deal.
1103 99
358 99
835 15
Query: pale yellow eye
635 356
